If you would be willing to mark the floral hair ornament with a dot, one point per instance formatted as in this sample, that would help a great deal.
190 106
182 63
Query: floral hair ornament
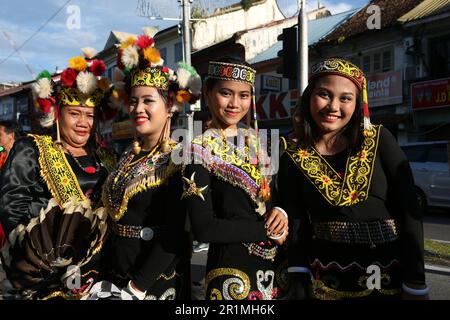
139 63
81 84
344 68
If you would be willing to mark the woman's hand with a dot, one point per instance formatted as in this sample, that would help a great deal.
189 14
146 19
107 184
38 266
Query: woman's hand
277 225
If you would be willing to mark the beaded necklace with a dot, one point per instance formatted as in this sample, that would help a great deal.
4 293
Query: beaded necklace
129 168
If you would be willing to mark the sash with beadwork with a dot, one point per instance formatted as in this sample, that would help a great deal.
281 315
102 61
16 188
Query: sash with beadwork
339 191
229 163
128 179
57 172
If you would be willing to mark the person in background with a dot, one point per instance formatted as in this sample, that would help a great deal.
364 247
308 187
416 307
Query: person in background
10 131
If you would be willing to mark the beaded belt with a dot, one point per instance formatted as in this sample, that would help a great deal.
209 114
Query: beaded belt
372 232
136 232
255 249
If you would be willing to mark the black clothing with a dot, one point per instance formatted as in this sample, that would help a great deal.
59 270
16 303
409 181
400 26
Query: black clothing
334 241
26 195
149 198
221 202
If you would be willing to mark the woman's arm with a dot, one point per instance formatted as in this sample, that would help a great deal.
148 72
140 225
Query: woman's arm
205 225
22 194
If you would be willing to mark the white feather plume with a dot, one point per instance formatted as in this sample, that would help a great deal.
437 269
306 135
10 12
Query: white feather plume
130 57
48 119
86 82
43 88
89 52
183 76
150 31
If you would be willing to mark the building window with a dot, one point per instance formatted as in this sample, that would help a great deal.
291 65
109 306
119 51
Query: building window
366 64
110 72
178 52
378 61
440 57
7 111
387 61
163 52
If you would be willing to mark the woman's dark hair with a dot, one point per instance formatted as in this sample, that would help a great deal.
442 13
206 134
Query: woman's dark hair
306 128
211 82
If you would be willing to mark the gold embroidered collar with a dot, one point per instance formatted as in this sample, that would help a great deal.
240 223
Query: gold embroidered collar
339 191
230 163
131 177
57 172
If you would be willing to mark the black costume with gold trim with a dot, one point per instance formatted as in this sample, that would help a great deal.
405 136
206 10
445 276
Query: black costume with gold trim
221 189
349 211
47 198
143 192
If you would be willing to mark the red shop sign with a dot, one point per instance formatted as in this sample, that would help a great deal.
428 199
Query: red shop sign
431 94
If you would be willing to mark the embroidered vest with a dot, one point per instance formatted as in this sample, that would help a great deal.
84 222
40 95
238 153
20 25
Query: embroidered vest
57 172
339 191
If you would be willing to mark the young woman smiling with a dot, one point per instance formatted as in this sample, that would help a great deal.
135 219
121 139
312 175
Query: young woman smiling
148 252
348 190
227 192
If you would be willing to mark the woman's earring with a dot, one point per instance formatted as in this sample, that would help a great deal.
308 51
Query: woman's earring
136 146
165 143
247 135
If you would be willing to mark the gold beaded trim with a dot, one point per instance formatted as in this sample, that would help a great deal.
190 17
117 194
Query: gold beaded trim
355 185
233 290
56 171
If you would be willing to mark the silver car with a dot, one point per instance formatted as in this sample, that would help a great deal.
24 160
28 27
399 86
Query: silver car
430 166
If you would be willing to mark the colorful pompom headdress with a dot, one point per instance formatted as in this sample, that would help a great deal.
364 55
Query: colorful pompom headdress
139 63
344 68
81 84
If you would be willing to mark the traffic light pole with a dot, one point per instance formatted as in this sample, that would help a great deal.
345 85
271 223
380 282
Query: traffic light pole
186 10
302 48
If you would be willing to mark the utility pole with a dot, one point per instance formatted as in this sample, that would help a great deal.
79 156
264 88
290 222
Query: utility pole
186 23
302 48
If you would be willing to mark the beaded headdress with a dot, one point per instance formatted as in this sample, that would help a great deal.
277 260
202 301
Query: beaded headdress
344 68
231 71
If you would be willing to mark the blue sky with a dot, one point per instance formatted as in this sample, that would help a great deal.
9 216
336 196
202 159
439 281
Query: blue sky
55 43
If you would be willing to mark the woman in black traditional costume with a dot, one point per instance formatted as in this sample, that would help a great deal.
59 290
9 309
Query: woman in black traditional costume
228 189
51 187
149 249
355 225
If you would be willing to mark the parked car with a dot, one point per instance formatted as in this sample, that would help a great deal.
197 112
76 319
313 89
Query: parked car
430 166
